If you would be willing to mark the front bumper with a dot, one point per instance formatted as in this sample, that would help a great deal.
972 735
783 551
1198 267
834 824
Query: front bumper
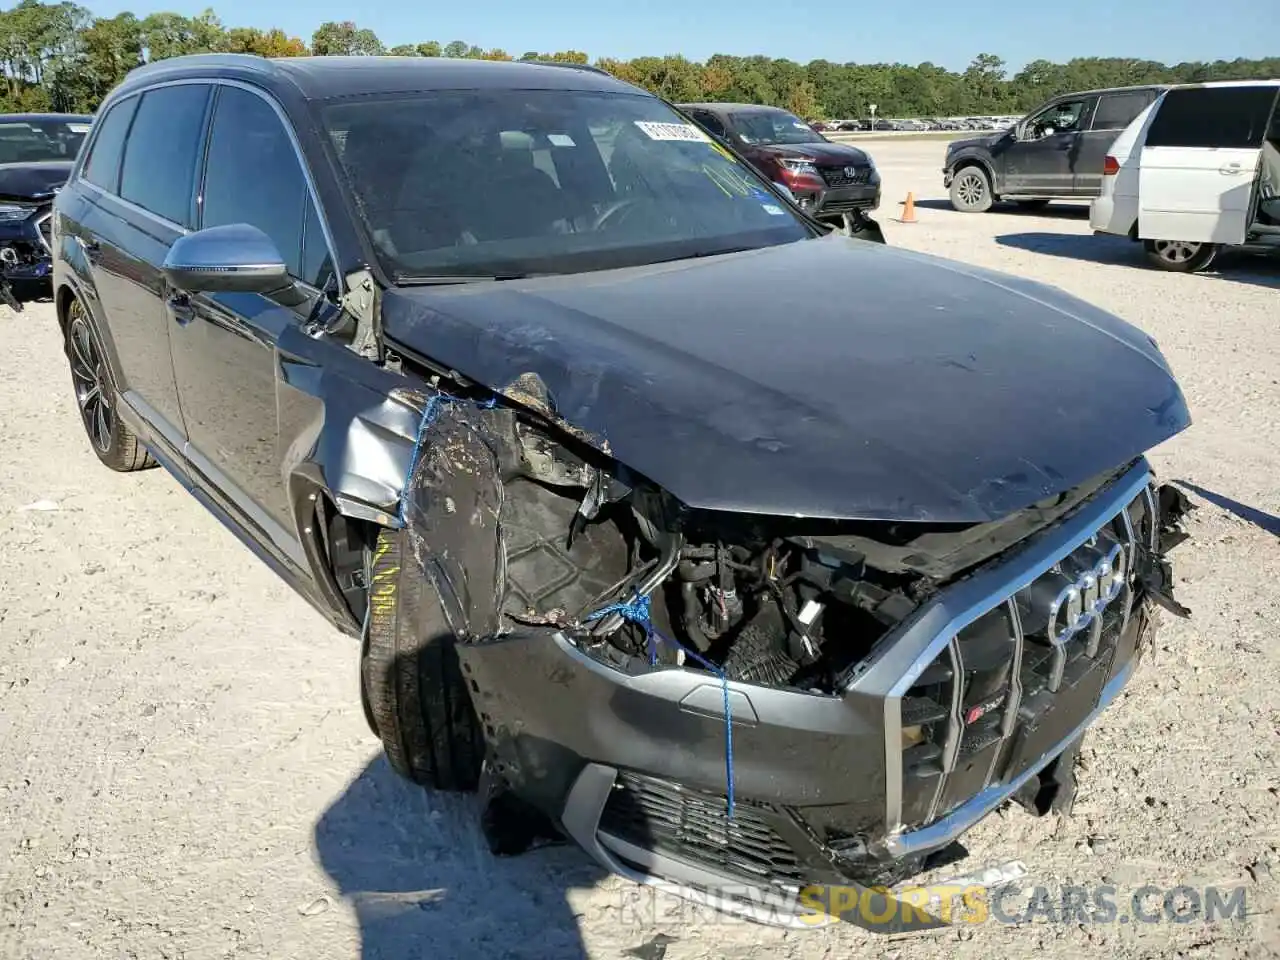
831 201
827 790
25 255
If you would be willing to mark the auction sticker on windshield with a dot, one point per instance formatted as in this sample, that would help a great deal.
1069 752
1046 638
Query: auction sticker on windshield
672 131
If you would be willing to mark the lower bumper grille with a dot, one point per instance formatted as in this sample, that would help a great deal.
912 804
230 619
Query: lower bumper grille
694 827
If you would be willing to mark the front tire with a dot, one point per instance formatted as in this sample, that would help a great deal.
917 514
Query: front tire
1180 256
413 687
96 399
971 190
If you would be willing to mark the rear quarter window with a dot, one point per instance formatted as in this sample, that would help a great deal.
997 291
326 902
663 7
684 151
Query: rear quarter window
102 168
1222 117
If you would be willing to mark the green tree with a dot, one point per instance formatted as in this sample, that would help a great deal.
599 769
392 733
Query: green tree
59 56
344 39
167 35
263 43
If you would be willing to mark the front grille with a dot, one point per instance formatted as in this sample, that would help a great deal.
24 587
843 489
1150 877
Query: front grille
45 226
694 827
1002 693
840 177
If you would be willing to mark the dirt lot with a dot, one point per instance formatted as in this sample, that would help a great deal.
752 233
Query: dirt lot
185 770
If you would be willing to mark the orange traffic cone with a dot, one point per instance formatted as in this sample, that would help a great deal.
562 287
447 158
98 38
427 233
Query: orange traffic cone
908 209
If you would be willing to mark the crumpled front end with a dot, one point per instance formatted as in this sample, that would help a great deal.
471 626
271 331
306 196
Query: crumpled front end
724 702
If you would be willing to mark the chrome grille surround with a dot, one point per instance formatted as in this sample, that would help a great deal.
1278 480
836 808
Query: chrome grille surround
931 639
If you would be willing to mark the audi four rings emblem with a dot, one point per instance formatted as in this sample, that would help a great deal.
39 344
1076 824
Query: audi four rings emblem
1100 573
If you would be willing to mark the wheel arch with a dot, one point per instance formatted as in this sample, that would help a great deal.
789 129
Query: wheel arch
347 431
967 160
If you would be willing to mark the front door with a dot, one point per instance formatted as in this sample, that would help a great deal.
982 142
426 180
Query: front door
1041 161
225 345
138 212
1199 165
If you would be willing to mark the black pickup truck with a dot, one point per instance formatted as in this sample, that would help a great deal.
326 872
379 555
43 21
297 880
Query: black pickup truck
36 154
1053 153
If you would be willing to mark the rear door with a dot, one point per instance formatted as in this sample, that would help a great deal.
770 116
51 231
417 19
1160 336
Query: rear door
1040 162
225 345
138 212
1114 112
1200 162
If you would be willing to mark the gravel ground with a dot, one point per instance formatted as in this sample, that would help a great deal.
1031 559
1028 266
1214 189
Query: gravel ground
185 770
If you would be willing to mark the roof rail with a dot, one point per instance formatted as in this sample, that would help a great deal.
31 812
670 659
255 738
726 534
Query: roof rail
200 60
570 66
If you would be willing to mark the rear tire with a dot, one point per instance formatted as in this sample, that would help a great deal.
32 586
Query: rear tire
96 399
413 688
1179 256
971 190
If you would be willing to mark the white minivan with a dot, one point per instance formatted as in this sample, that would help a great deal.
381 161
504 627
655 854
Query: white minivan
1197 171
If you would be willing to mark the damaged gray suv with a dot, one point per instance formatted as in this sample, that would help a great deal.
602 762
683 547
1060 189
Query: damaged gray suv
519 378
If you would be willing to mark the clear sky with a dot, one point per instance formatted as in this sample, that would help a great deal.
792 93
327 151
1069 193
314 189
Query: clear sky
947 32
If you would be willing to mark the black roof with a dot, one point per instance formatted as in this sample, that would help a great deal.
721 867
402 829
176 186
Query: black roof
1133 89
734 107
320 78
45 118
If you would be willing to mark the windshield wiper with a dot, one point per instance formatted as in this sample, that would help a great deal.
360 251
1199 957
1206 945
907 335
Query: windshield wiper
447 279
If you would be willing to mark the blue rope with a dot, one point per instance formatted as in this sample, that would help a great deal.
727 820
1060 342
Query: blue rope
429 413
637 611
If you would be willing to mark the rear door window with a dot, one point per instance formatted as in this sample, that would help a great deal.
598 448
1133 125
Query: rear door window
253 175
161 154
1208 117
1117 110
102 168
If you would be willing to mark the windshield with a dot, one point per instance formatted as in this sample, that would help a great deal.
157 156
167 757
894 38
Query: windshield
504 183
773 126
33 141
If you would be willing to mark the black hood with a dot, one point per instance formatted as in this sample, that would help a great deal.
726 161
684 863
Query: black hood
827 154
925 390
985 141
33 181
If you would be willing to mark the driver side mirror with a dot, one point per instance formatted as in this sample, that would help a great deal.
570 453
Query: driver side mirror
236 258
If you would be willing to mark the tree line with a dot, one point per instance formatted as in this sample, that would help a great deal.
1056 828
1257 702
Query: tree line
59 56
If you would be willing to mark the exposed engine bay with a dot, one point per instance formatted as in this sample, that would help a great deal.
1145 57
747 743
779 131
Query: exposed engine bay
519 520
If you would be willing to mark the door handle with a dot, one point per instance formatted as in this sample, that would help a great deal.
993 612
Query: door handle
1231 169
181 308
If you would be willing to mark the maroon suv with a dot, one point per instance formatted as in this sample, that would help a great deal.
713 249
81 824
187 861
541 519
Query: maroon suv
827 179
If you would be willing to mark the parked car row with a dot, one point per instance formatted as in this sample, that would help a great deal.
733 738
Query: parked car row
915 124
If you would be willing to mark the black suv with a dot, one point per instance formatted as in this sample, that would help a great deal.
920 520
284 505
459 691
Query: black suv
1053 153
516 377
